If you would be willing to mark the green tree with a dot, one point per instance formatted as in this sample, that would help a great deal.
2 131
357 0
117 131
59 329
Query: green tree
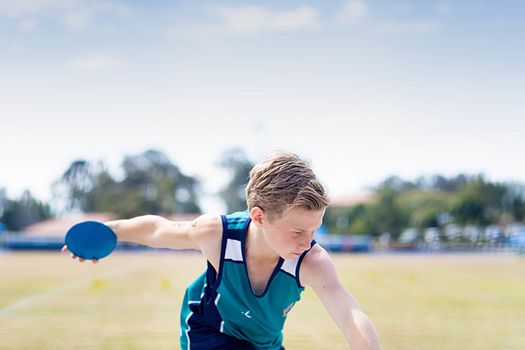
451 185
72 192
424 207
397 184
347 220
386 215
514 201
479 202
151 184
238 165
24 211
3 201
156 185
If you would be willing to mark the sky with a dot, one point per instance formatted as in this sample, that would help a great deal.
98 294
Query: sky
362 89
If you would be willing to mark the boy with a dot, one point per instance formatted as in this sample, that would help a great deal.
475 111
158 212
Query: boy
258 263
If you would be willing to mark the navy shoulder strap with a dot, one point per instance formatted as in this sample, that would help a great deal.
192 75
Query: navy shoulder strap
234 225
233 234
298 267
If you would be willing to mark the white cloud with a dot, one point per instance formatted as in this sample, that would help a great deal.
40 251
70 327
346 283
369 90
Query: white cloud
422 26
26 25
403 8
15 8
78 19
97 63
251 18
113 8
302 18
76 14
443 8
352 12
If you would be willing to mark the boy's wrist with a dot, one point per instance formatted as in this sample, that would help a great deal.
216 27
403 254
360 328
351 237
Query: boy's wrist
113 225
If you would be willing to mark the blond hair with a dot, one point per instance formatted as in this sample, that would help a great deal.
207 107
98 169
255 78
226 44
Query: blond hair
284 181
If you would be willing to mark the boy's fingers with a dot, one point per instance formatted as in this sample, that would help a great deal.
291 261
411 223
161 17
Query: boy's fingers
64 249
73 256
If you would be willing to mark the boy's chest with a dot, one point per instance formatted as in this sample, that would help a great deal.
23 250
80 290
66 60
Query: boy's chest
259 275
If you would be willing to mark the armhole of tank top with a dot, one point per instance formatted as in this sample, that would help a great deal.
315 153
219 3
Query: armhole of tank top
298 267
224 239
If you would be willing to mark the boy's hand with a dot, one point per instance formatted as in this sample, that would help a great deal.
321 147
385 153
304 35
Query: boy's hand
73 256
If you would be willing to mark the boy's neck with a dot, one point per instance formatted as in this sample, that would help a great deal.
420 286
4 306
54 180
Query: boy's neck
257 248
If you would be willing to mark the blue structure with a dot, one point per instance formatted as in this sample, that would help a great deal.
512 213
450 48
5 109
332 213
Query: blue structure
22 242
345 243
517 241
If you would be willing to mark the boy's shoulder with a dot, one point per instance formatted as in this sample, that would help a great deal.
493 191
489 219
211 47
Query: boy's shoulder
316 263
206 229
211 226
317 255
208 236
208 223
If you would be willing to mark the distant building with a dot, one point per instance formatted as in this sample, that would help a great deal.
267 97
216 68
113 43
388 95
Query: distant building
58 227
350 200
50 234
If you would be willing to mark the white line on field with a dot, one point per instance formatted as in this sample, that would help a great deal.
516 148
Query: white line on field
36 299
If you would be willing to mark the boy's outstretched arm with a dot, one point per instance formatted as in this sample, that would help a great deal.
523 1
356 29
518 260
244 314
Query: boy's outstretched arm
158 232
319 272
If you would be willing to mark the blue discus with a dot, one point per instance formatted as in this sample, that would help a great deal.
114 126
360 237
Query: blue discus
91 240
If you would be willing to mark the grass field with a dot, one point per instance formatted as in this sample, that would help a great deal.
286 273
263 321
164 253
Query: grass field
132 301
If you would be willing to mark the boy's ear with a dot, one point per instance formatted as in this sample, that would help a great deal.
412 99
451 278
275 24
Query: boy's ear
257 216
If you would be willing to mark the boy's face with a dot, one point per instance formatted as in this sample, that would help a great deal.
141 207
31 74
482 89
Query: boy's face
290 235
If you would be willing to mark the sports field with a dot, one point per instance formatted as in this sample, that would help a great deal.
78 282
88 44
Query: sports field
132 301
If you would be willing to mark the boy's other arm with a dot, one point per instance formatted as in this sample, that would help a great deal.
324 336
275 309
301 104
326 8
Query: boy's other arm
318 271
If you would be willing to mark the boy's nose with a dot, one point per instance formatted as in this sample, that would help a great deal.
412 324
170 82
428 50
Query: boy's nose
304 247
305 244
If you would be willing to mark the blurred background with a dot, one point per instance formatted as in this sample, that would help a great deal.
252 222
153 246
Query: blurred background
410 113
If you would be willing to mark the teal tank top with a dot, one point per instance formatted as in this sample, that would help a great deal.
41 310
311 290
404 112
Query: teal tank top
225 300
